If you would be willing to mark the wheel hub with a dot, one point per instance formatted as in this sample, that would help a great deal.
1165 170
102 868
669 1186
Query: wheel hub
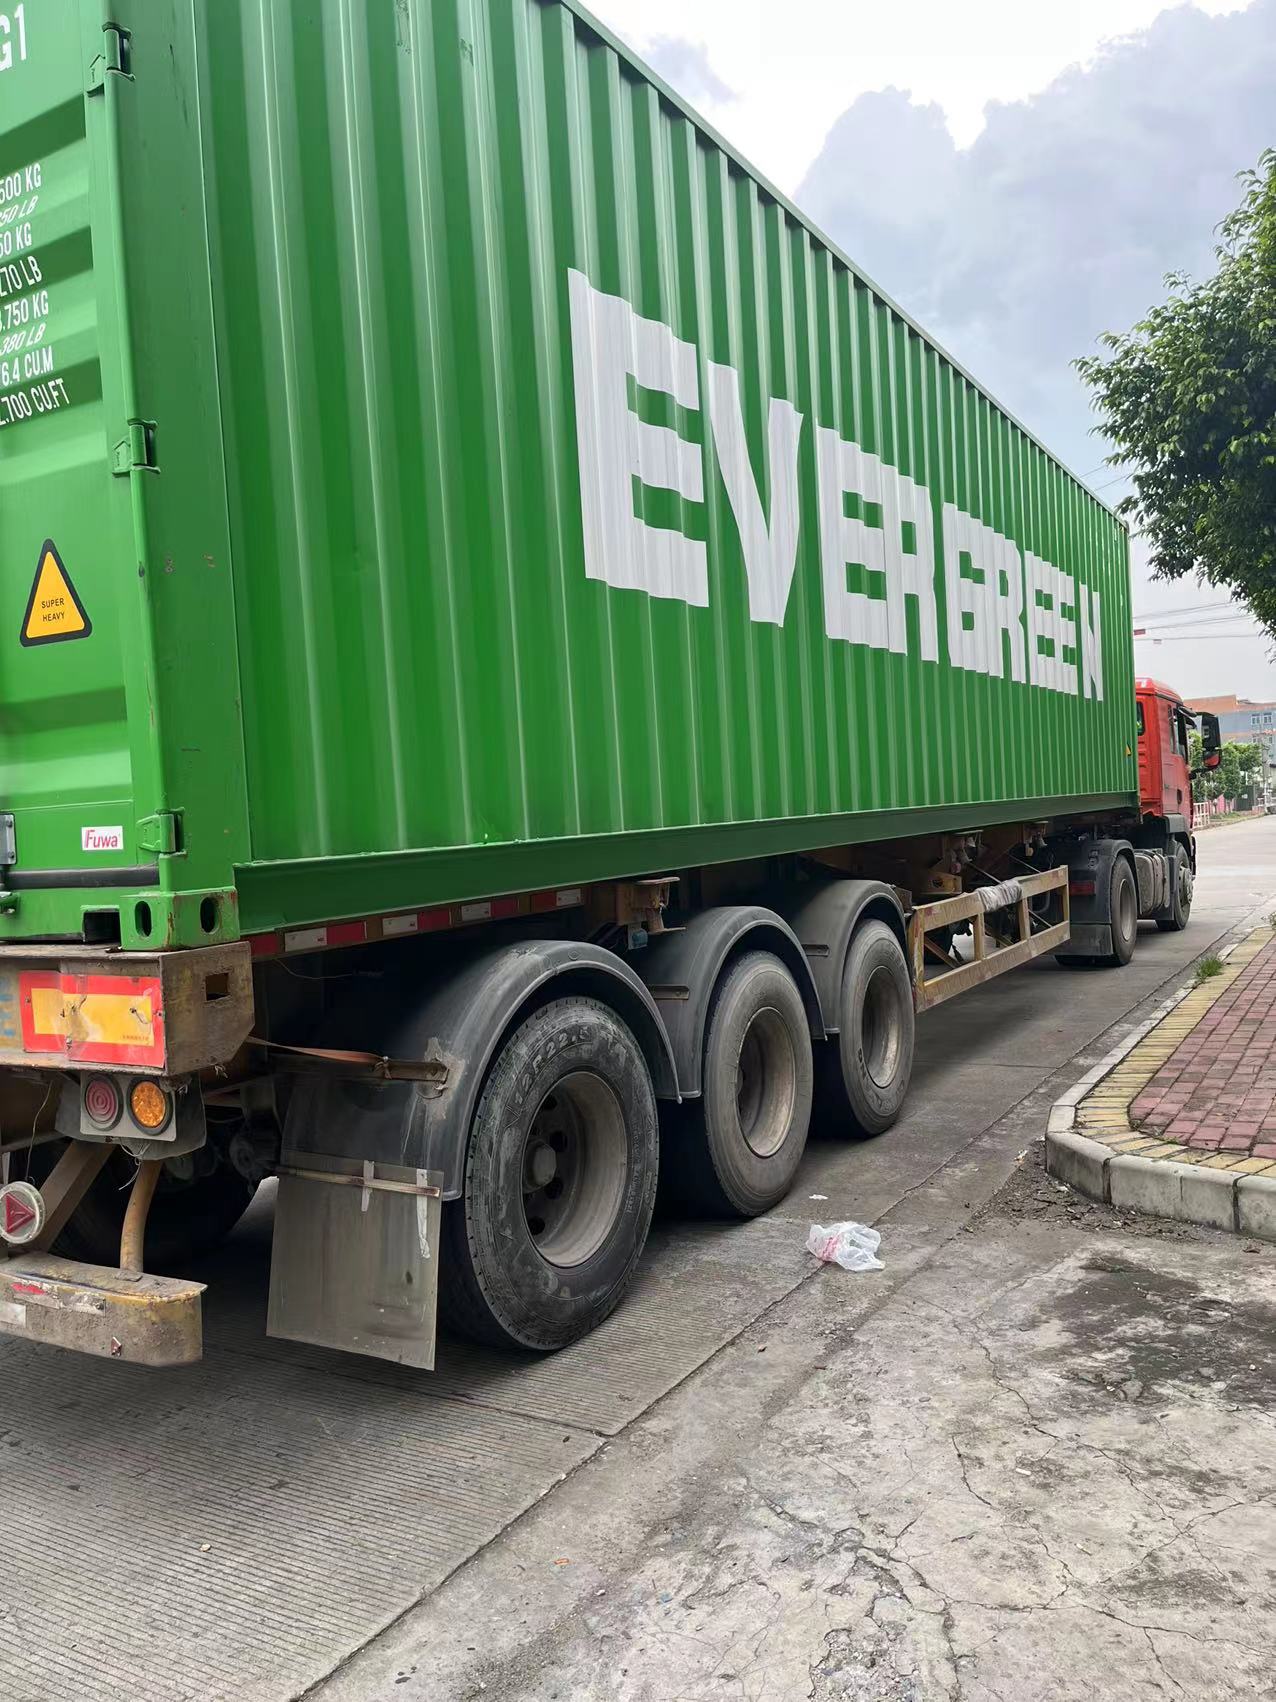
542 1164
574 1165
765 1083
880 1028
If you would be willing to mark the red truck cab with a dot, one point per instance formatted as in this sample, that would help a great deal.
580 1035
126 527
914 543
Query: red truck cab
1144 867
1165 779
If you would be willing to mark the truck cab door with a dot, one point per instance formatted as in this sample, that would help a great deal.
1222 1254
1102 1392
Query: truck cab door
1149 757
1175 763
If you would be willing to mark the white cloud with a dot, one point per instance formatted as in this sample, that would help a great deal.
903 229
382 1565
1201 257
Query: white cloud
685 65
795 70
1020 176
1057 223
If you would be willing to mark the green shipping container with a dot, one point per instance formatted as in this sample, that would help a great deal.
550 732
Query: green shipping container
433 465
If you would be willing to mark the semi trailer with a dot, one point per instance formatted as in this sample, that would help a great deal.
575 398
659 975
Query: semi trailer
526 673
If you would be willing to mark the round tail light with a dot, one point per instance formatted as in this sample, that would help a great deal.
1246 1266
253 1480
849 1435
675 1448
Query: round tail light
149 1106
103 1102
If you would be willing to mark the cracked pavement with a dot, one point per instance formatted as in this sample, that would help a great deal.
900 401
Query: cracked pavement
1036 1465
1030 1461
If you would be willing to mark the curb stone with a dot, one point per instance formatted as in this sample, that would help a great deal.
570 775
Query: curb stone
1256 1207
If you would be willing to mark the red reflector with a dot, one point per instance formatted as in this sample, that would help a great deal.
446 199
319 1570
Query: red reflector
17 1214
1081 889
21 1213
347 933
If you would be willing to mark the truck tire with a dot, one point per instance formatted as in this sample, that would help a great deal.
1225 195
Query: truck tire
194 1209
735 1152
1174 918
1123 913
865 1077
559 1182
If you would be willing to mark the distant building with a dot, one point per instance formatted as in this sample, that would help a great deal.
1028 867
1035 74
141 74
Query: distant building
1241 721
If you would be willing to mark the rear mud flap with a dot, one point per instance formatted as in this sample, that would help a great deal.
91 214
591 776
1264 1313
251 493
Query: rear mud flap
355 1259
1088 939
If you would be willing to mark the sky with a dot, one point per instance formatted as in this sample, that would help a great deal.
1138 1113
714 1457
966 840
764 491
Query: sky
1019 175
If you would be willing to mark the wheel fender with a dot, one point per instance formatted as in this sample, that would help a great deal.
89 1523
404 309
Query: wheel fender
825 916
459 1022
682 968
1090 863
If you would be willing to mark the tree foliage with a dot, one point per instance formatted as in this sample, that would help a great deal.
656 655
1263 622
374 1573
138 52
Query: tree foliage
1249 758
1241 767
1188 398
1229 772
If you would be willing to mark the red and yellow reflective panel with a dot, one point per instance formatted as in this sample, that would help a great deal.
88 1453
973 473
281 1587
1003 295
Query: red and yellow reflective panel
93 1019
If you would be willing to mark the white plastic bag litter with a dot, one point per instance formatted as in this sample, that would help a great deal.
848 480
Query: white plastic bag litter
851 1245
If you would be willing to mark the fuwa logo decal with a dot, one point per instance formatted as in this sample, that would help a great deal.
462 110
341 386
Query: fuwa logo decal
101 839
1005 609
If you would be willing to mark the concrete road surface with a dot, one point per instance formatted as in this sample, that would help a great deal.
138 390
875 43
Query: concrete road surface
1028 1460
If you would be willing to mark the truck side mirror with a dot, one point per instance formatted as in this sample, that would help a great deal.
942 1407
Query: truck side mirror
1211 742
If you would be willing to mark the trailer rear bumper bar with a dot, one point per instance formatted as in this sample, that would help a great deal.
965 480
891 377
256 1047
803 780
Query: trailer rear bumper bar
146 1320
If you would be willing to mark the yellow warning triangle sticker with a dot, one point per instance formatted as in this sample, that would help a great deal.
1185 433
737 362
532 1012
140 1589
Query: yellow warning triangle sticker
54 610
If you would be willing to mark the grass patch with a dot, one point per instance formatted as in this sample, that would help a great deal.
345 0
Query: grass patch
1208 968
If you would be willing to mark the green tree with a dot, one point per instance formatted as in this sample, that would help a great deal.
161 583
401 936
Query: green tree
1229 771
1250 758
1188 399
1240 767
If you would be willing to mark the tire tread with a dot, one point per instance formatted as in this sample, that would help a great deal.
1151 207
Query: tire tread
468 1304
691 1180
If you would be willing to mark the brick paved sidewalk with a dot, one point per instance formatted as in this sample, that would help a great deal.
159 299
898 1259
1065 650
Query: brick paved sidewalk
1182 1123
1200 1088
1216 1091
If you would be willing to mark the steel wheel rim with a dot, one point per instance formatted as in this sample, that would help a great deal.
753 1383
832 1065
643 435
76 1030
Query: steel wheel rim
575 1161
766 1083
880 1027
1127 914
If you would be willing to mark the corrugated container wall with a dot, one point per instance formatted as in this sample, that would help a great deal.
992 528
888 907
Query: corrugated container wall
589 513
